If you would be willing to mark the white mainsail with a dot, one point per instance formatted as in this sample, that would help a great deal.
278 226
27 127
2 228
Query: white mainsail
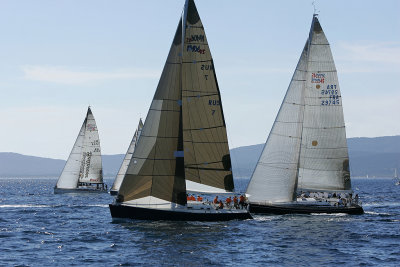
84 163
306 148
127 158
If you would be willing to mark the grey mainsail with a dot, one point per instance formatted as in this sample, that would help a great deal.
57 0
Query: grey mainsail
306 148
84 162
184 134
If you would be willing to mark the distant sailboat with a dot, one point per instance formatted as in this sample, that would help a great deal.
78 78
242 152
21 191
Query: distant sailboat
127 160
306 150
83 170
396 176
183 138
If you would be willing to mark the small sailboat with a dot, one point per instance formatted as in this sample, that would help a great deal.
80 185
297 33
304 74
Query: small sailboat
304 167
396 177
127 160
183 138
83 170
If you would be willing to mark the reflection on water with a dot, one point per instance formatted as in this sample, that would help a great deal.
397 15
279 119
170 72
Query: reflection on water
46 229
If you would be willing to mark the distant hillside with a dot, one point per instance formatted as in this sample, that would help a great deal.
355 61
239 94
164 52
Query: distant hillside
13 164
376 156
368 156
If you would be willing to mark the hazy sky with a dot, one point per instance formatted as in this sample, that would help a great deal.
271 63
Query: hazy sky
57 57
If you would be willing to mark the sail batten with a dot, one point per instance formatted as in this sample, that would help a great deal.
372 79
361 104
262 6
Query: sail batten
307 145
84 163
185 125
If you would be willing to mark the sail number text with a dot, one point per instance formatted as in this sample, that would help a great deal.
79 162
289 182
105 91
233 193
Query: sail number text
333 95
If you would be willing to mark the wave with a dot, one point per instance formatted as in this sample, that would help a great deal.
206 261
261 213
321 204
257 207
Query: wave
25 206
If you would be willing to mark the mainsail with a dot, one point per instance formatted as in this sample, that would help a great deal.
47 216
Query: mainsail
127 159
184 135
84 163
306 148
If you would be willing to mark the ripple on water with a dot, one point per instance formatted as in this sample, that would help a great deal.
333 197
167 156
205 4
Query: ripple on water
41 228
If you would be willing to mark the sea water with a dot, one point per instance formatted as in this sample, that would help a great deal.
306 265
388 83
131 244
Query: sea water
38 228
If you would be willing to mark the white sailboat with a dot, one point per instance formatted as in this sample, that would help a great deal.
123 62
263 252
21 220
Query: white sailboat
127 160
306 150
83 170
396 176
183 138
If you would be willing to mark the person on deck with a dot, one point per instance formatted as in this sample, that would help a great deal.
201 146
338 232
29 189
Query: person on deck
241 201
228 201
356 199
199 198
235 202
216 200
220 205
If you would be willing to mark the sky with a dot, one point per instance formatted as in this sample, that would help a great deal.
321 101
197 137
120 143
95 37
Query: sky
58 57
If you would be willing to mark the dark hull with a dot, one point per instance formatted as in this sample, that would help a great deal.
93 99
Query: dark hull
78 190
303 209
120 211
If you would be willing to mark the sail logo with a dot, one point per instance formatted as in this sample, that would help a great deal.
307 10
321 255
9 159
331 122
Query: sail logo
91 127
317 77
195 38
214 102
195 49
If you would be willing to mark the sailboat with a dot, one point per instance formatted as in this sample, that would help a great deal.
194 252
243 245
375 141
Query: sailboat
127 160
83 170
396 176
304 166
183 138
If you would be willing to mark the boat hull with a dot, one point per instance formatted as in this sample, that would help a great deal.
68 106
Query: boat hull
113 192
136 213
303 209
78 190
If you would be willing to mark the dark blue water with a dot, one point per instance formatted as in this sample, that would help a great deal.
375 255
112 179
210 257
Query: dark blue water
38 228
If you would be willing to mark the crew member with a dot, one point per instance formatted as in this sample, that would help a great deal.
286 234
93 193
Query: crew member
241 201
235 202
216 200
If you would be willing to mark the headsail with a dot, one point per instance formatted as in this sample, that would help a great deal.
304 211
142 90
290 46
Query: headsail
306 148
184 135
274 178
127 159
156 168
84 162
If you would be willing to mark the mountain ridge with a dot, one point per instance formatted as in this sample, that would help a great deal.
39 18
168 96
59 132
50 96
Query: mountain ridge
369 156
